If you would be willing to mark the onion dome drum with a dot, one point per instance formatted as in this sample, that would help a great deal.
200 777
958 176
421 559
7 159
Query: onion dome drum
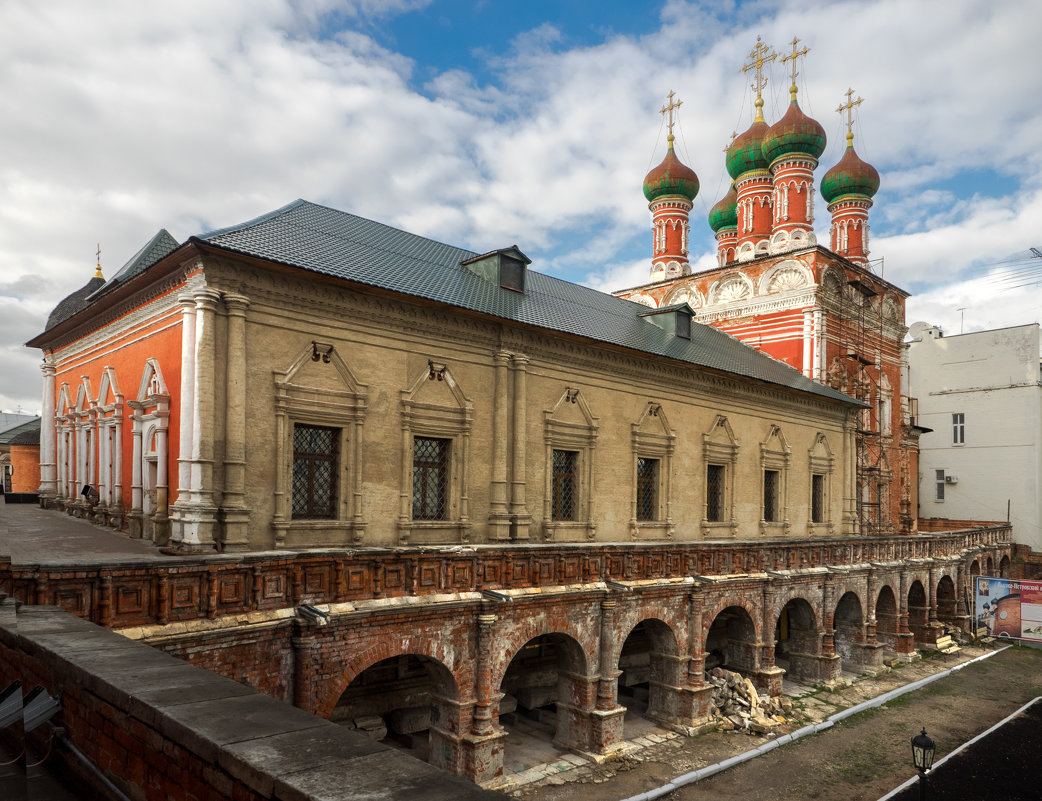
746 151
725 213
795 133
851 176
671 177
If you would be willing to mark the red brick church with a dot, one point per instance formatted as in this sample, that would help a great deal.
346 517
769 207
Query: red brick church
825 311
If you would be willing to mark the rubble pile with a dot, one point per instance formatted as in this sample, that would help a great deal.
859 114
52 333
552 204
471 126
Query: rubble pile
739 706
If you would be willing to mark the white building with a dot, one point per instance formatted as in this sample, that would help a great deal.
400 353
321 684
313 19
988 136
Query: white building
981 394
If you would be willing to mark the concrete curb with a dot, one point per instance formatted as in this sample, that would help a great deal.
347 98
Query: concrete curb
828 723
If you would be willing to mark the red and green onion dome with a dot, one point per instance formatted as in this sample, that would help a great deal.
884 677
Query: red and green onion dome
795 133
725 213
746 151
671 177
851 176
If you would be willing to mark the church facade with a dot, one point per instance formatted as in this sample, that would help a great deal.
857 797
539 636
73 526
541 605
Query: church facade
824 311
313 379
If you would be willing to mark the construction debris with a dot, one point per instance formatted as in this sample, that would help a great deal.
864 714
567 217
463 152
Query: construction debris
739 706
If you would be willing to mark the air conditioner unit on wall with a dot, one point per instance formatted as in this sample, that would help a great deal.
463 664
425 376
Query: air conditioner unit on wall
951 479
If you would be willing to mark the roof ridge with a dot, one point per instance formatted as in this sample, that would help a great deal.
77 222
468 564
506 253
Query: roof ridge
251 222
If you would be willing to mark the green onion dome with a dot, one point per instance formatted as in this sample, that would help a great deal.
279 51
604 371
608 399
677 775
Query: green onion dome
671 177
725 213
794 133
746 151
851 176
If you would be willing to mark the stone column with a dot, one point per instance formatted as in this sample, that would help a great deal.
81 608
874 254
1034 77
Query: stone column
932 598
198 515
499 516
520 517
234 513
483 716
136 522
304 647
608 686
480 748
161 515
693 712
184 412
48 440
808 344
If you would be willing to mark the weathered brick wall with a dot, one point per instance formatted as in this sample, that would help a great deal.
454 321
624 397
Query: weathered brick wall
933 524
262 659
161 730
120 596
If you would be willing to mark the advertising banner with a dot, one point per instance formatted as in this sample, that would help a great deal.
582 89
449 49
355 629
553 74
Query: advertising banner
1008 608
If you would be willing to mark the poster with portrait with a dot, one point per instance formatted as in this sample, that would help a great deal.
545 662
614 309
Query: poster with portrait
1008 608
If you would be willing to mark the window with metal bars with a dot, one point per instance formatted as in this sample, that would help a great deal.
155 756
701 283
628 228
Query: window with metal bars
817 498
315 451
715 492
770 495
430 478
647 489
564 485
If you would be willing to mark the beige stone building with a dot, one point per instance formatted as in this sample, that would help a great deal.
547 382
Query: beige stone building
314 379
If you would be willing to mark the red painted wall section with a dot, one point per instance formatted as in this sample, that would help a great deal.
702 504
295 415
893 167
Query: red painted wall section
25 468
127 352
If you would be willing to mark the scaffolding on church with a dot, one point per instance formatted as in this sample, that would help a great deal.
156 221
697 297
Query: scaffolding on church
861 346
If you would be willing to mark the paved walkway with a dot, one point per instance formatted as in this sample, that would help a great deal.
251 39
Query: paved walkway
30 535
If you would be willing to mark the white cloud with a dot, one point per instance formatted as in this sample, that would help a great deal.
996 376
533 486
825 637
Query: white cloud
121 117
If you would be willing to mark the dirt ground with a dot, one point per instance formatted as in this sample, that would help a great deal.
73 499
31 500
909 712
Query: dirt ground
859 759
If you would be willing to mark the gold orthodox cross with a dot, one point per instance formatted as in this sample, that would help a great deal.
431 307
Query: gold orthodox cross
759 56
734 135
669 110
849 107
97 272
793 57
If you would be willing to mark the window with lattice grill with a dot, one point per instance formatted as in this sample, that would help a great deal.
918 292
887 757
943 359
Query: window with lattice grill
315 450
715 492
647 489
430 478
564 485
817 498
770 495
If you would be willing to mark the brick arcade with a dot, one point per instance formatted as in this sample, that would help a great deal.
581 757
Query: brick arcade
438 642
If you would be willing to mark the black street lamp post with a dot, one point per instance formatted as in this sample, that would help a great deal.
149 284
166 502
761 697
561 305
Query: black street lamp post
922 755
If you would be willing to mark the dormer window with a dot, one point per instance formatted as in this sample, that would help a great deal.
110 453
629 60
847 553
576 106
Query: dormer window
675 319
511 273
683 325
507 267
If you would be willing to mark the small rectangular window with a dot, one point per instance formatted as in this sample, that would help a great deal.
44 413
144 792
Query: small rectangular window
940 485
770 495
647 489
683 325
315 450
430 478
958 428
715 493
564 484
511 273
817 498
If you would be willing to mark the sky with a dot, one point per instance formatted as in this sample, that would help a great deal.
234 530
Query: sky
485 124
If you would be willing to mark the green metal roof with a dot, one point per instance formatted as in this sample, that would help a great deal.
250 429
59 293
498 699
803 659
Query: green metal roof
342 245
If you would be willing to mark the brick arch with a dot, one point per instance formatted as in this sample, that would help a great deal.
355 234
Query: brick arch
628 619
800 592
386 649
754 609
508 646
662 633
